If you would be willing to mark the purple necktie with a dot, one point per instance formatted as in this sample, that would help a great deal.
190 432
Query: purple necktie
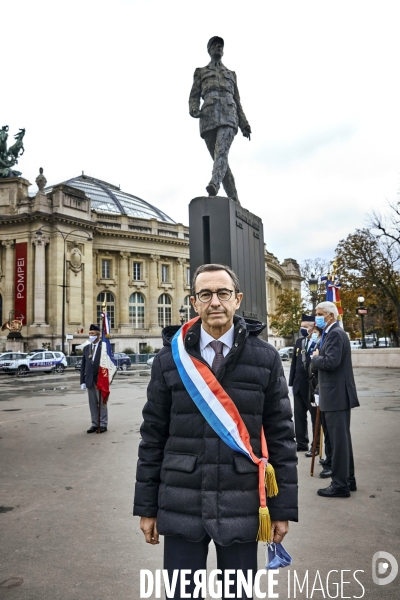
219 357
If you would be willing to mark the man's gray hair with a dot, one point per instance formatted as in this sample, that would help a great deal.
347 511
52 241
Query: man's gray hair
328 307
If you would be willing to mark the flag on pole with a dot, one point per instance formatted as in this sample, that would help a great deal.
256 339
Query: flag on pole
333 295
107 366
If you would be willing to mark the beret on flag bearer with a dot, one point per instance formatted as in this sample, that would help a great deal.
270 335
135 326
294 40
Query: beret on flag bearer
94 327
308 318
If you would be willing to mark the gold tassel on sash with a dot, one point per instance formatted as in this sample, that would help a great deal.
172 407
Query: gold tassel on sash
270 481
264 527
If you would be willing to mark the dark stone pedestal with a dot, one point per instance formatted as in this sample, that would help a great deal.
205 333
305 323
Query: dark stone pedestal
222 231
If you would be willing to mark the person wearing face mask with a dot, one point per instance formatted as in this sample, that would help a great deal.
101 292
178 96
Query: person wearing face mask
337 396
89 372
298 380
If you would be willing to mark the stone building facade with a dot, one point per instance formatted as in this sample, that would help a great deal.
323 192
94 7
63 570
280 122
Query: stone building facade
117 248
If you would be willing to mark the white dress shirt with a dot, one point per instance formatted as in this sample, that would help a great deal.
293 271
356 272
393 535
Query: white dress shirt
94 349
207 352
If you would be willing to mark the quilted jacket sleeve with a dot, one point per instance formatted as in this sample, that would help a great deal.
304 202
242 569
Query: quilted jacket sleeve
279 433
154 432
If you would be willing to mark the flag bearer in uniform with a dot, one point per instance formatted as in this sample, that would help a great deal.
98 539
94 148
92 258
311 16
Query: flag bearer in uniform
217 423
89 375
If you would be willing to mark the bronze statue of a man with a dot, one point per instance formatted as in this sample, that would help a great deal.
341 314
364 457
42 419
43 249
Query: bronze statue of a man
220 115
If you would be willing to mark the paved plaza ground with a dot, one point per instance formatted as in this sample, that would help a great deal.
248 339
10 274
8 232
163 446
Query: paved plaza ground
66 525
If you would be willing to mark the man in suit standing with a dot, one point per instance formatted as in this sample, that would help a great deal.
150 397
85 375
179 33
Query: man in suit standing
89 373
220 115
298 380
337 396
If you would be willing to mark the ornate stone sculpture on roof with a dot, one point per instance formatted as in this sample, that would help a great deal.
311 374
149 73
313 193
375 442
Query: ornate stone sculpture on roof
9 157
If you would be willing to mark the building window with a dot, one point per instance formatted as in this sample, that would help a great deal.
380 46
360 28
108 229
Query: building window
187 276
164 273
137 271
136 311
110 306
187 306
105 269
164 310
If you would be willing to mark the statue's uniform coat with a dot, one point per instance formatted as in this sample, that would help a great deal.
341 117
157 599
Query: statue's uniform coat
218 88
187 476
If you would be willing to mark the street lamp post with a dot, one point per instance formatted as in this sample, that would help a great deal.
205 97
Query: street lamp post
361 311
313 287
64 236
182 312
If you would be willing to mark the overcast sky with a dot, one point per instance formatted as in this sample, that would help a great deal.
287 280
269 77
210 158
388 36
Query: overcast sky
102 87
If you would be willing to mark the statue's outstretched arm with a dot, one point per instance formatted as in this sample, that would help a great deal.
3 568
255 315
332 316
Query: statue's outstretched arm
243 122
195 95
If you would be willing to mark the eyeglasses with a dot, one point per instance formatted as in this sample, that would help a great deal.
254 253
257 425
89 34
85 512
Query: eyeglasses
206 295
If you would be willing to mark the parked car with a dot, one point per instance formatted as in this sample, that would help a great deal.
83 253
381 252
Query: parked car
355 344
123 361
45 361
382 343
150 361
286 353
11 358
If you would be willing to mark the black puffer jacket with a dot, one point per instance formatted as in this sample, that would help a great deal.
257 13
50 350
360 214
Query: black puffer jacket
187 476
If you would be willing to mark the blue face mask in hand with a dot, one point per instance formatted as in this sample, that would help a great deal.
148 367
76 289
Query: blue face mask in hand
304 331
320 322
276 557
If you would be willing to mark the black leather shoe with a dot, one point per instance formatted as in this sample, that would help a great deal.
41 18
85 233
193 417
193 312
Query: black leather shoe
310 453
103 429
321 461
353 486
92 429
325 473
331 492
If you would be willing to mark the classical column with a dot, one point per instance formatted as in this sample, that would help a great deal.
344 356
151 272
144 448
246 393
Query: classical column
154 292
180 286
40 241
123 281
9 279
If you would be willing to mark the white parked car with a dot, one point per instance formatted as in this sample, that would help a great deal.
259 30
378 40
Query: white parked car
286 353
11 357
355 344
150 361
46 362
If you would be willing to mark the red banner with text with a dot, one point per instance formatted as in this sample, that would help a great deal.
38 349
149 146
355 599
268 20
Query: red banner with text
21 272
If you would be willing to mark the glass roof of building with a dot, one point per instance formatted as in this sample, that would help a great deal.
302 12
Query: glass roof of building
109 198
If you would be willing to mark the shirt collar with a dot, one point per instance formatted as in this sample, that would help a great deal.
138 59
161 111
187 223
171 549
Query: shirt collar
206 338
330 326
214 64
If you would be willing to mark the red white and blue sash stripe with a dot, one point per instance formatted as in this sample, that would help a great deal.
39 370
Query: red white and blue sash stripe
215 404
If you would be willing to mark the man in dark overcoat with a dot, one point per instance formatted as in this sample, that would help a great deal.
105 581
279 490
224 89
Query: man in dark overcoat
220 115
191 486
298 380
89 374
337 396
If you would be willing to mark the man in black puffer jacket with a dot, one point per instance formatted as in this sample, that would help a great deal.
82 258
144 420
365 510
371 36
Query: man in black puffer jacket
191 487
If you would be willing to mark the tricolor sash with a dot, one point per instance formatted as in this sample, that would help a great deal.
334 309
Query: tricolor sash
220 412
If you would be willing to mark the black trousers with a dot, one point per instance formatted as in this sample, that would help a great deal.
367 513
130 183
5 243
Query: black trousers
302 406
338 447
180 553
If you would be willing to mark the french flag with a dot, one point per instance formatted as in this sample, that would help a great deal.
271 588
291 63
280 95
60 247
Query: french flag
107 366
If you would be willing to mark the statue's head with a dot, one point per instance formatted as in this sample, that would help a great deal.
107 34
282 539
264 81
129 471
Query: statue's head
215 47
